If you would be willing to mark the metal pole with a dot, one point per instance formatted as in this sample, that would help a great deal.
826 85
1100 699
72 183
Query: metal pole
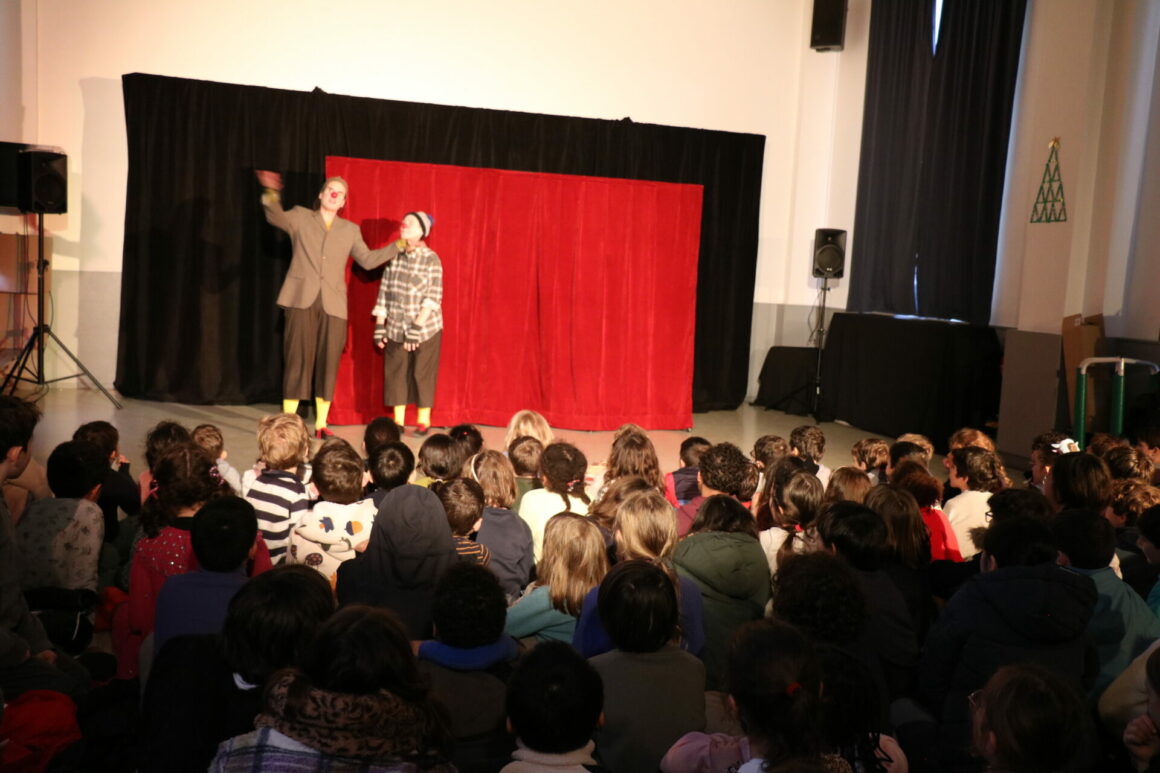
1117 427
1080 406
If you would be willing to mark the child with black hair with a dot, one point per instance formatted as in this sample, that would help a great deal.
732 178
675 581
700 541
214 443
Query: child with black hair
223 535
1122 625
524 453
654 690
562 470
391 466
907 451
118 489
469 662
211 440
554 705
977 473
723 469
681 483
440 458
462 500
163 436
60 538
332 531
469 438
380 431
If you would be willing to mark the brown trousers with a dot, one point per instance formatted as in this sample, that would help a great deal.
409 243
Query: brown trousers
311 346
409 377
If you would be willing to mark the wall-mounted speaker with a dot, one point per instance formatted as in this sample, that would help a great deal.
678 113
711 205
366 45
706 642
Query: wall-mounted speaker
829 253
828 31
42 182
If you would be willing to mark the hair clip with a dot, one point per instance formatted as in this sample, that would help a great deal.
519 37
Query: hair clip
1065 446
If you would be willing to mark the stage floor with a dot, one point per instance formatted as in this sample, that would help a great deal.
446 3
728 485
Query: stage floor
64 409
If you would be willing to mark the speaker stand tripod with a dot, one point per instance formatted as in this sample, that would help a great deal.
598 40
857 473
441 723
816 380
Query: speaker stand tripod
821 339
37 340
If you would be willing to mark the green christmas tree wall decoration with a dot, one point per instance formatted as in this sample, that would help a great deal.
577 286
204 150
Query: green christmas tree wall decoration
1049 204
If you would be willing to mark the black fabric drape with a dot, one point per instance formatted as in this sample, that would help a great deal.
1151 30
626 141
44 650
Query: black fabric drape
202 269
934 153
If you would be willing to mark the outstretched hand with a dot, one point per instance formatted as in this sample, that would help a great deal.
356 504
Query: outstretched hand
271 180
1142 740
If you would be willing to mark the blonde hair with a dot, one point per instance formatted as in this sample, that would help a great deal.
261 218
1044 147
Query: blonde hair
494 473
574 561
283 442
647 526
530 423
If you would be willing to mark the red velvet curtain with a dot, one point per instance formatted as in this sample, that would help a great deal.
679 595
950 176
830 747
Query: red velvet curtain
573 296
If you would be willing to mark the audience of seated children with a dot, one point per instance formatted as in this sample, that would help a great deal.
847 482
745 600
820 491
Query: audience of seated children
210 438
724 469
527 423
469 438
554 704
634 454
654 692
858 535
205 689
27 658
462 501
646 529
469 663
789 523
524 454
163 436
562 471
391 465
978 474
906 559
809 442
848 484
927 491
573 563
1026 720
355 699
440 458
774 681
1129 500
410 548
223 535
872 456
118 489
278 495
59 539
507 537
722 556
1022 607
681 483
1122 626
340 521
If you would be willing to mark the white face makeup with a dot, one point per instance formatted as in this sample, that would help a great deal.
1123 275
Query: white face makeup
410 228
333 196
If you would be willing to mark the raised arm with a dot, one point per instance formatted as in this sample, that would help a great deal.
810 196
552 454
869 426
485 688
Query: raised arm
272 199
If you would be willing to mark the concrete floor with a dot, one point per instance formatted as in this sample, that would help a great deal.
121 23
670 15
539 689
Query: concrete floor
66 408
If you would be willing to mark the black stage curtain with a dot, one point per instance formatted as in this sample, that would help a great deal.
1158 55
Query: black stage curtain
889 375
202 269
934 152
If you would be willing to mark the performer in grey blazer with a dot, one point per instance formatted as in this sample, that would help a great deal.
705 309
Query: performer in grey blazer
313 294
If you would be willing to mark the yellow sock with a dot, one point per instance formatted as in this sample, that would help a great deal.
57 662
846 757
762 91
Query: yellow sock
400 414
321 411
289 406
424 418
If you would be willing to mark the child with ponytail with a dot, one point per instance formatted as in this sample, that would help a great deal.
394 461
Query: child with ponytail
562 471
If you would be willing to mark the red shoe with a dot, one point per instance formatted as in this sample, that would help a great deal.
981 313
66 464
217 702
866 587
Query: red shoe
322 433
422 430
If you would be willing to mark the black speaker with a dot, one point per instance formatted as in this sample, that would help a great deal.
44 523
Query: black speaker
829 253
828 31
43 182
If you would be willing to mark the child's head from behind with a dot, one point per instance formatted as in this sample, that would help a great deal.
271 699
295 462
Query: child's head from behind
563 467
101 433
978 469
469 608
871 454
1085 538
1079 480
524 453
724 469
634 454
338 472
223 533
184 478
646 526
637 604
75 468
462 500
848 484
391 465
808 442
555 699
769 450
283 442
380 431
574 561
440 457
469 438
210 439
163 436
495 475
691 450
530 423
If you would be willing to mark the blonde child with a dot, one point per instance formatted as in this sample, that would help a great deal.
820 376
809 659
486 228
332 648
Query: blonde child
279 497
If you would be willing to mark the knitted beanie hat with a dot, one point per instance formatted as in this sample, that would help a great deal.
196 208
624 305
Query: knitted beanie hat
425 221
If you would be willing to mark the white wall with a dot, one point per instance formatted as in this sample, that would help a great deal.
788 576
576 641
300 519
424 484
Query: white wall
741 65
